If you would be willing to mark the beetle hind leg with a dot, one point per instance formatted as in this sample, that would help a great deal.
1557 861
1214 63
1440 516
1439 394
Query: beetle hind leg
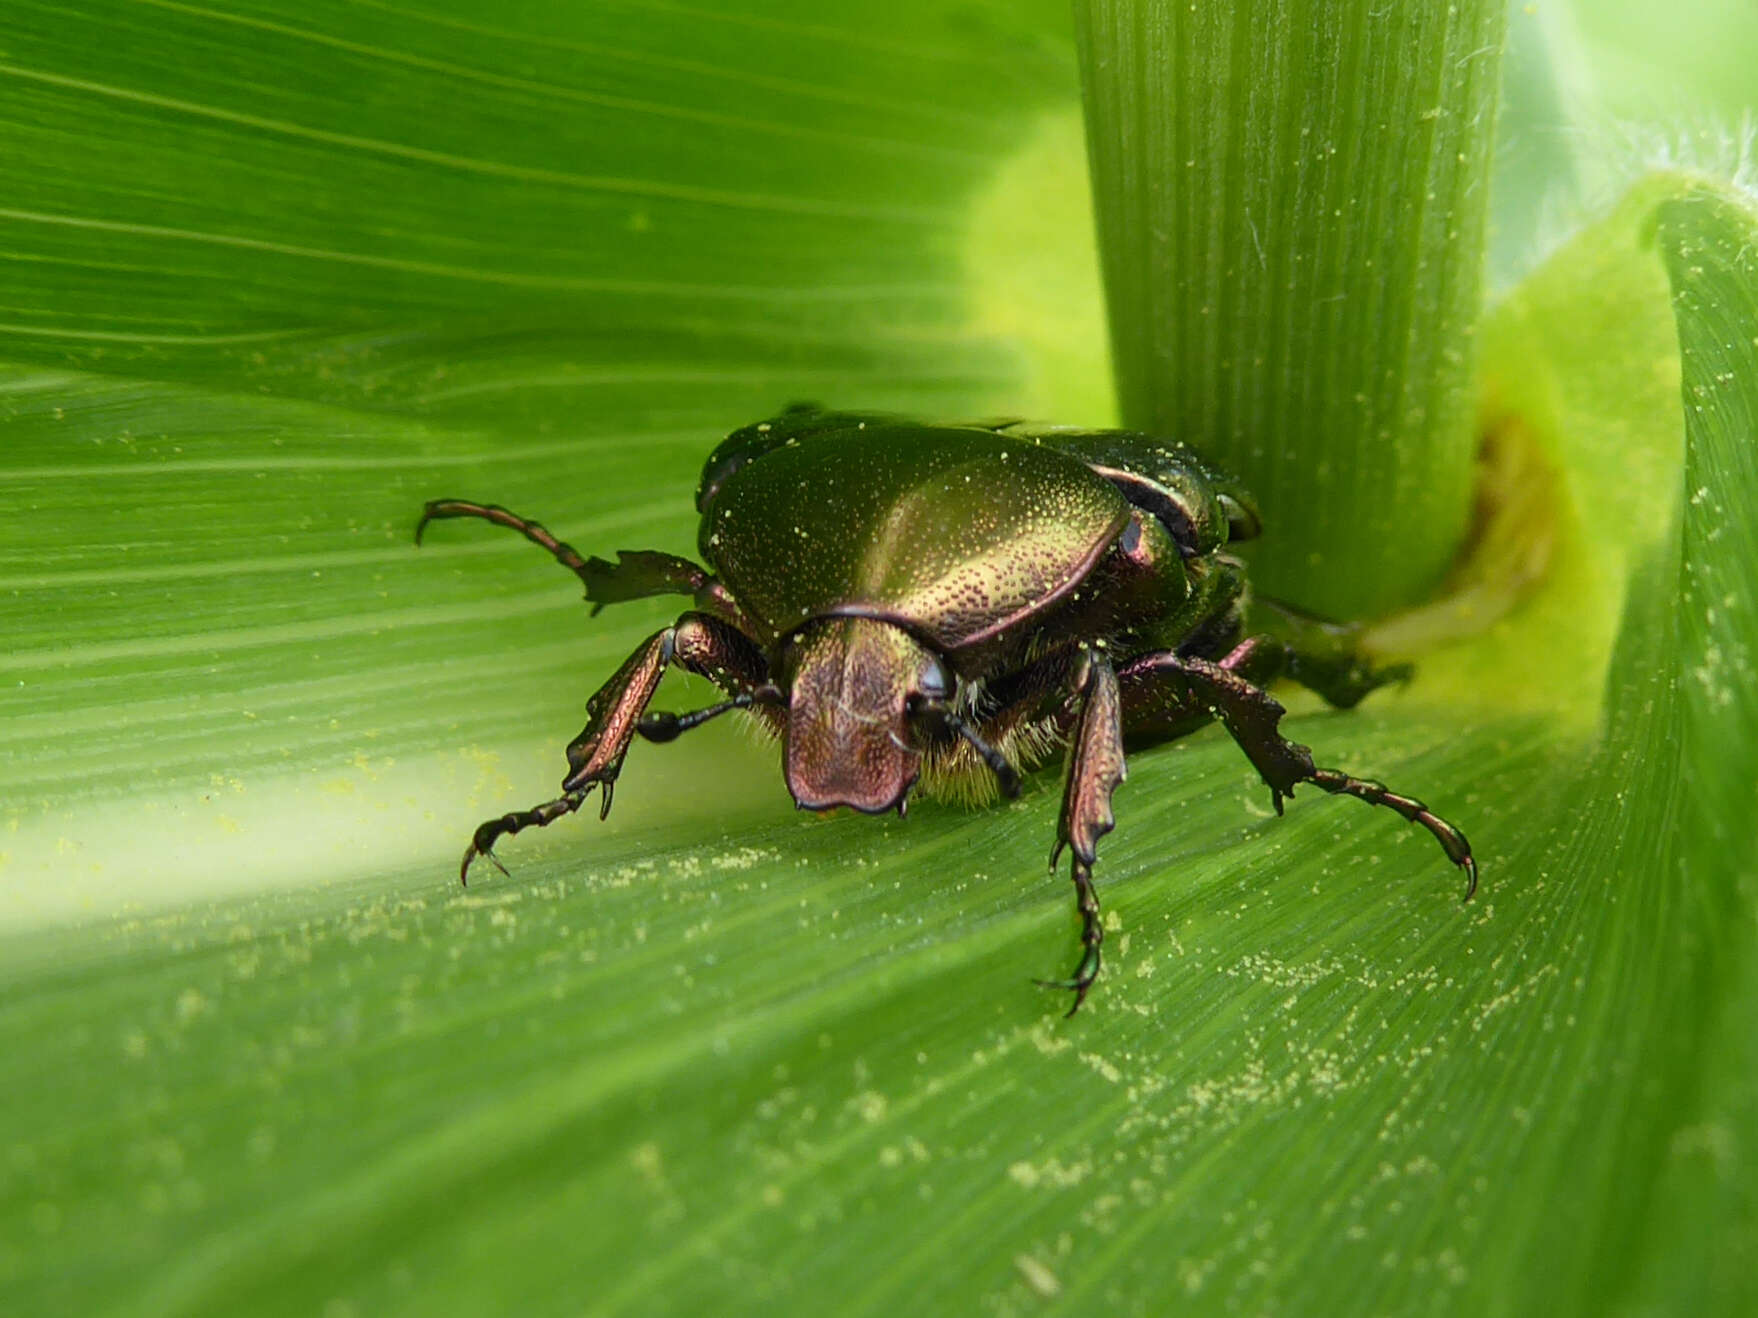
1251 715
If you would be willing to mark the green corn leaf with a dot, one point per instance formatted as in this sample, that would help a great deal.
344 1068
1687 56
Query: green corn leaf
279 274
1706 1212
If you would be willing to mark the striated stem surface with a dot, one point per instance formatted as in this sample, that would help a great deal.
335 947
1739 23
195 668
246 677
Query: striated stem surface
1291 202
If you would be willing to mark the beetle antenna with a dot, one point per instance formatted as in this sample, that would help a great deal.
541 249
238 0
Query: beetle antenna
1005 774
660 726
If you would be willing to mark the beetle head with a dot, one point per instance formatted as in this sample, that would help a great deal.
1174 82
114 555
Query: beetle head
855 689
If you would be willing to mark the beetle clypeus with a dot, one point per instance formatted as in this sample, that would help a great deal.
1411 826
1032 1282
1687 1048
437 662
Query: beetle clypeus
901 602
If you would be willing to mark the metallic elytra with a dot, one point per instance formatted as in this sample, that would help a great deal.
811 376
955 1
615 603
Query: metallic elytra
945 605
953 534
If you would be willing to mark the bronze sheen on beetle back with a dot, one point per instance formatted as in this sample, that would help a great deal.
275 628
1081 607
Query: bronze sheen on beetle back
903 603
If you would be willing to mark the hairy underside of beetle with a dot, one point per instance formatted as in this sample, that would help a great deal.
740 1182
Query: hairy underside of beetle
952 769
955 772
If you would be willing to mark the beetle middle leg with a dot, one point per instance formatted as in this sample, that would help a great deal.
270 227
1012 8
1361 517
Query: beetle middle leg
1321 655
637 573
1251 715
697 642
1095 768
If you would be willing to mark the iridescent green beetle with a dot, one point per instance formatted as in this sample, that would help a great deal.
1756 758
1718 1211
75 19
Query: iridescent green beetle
947 604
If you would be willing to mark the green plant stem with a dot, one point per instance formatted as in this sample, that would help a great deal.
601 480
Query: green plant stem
1291 205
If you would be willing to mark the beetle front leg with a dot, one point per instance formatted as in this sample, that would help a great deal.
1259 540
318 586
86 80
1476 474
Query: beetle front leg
1251 715
612 715
726 657
595 757
1095 768
699 642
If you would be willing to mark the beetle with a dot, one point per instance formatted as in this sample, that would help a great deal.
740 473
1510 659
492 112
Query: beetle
904 603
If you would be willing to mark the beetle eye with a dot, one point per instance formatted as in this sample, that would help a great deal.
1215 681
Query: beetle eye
933 683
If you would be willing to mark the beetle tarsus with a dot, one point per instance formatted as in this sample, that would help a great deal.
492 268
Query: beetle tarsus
1252 716
438 510
1362 789
637 574
471 852
1095 768
1092 937
493 830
